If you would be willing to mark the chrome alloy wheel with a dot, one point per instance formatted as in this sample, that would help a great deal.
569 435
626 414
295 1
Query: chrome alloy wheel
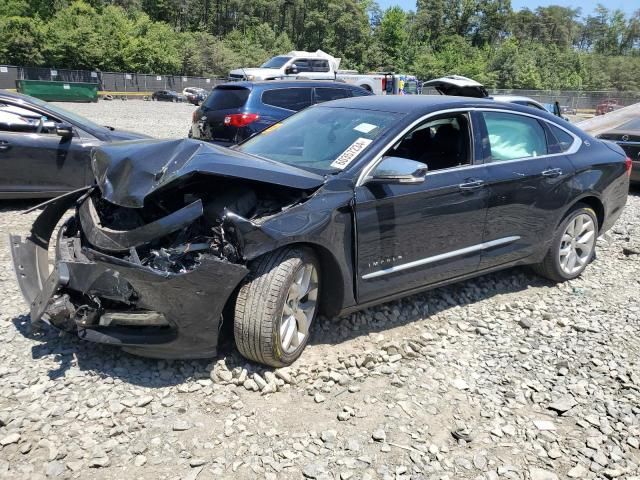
577 244
299 308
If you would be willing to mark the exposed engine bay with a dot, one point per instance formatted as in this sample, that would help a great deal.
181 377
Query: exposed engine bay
181 250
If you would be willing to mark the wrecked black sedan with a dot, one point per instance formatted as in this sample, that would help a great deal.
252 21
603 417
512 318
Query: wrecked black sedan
341 206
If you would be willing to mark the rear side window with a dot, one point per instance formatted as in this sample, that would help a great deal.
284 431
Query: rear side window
290 98
360 92
560 140
303 65
226 98
320 65
324 94
514 136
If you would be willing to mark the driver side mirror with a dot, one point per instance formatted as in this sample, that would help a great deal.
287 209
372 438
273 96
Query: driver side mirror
399 170
64 130
291 69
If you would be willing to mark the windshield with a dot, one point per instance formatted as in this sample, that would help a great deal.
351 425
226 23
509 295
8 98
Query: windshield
81 121
631 125
324 139
275 62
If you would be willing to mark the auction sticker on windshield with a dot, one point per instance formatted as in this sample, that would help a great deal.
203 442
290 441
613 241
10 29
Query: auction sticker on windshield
351 153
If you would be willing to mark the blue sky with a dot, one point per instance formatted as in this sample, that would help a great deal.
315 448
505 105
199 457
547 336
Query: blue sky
627 6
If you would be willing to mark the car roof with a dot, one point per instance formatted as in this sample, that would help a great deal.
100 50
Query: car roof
418 105
290 83
411 103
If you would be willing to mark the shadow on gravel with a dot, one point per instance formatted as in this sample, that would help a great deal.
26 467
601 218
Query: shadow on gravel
13 205
424 305
71 353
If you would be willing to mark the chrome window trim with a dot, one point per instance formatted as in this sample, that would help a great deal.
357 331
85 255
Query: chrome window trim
575 146
442 256
364 174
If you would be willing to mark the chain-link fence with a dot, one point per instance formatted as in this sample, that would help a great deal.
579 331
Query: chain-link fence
107 81
579 101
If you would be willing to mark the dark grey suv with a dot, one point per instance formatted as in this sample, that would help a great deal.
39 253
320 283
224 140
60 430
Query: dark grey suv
234 111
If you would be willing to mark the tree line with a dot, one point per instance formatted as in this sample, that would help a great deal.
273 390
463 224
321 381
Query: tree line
550 47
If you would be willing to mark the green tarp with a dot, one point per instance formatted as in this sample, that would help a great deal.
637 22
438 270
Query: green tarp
59 91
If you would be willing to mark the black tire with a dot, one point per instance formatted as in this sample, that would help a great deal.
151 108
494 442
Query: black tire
260 303
550 266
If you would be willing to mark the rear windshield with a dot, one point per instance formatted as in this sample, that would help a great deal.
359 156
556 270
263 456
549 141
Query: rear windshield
226 98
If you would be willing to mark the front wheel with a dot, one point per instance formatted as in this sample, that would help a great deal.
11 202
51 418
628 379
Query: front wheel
277 305
573 246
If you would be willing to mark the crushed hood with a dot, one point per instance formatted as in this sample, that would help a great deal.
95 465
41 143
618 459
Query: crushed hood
128 172
458 86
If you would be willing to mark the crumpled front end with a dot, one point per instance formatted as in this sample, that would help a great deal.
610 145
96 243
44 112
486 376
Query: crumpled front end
153 279
123 287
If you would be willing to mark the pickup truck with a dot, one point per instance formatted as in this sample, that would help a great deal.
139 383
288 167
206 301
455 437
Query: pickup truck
320 65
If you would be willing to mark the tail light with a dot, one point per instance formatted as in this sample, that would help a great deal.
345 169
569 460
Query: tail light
240 119
628 165
384 84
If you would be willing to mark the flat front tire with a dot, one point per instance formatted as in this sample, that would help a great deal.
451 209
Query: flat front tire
277 305
573 246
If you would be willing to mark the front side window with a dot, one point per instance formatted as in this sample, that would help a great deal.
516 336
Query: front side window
440 143
321 139
294 99
20 119
513 136
325 94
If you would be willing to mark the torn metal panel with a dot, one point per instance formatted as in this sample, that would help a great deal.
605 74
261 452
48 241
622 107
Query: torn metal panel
122 240
31 256
129 172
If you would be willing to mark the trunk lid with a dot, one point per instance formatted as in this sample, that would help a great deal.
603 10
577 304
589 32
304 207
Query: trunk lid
459 86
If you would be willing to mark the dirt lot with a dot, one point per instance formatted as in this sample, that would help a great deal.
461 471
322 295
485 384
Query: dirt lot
503 377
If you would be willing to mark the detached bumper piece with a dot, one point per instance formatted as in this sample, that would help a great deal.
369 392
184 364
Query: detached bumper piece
112 300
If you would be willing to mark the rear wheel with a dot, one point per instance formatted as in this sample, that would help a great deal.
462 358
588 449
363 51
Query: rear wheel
276 306
573 246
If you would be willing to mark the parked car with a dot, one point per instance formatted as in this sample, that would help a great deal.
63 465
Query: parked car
457 85
194 95
235 111
607 106
167 96
627 136
566 110
341 206
44 149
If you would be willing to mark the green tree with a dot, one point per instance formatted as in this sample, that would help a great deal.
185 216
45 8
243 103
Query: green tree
21 41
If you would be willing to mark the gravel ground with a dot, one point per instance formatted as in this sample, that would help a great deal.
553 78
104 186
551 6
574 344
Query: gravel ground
157 119
503 377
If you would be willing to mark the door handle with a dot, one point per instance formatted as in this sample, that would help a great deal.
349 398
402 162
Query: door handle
471 185
4 145
552 172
